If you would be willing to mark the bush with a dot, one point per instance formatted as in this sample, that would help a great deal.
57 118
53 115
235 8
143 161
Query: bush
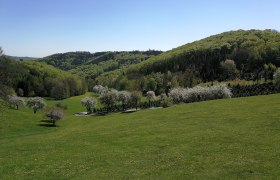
165 101
254 90
199 93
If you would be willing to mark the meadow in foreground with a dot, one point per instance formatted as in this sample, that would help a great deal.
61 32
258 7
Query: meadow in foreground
229 138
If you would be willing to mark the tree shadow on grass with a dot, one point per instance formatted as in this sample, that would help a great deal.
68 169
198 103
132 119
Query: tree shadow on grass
46 123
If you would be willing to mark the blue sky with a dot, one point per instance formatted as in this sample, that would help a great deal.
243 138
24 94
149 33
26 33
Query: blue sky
43 27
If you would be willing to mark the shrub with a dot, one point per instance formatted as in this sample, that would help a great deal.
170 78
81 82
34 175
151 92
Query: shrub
254 90
165 101
199 93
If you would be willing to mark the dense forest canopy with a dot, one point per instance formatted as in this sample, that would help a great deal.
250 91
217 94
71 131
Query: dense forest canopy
91 65
239 54
30 78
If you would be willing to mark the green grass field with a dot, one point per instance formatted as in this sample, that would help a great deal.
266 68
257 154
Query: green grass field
222 139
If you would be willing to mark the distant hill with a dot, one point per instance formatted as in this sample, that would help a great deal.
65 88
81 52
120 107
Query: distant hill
22 58
71 60
92 65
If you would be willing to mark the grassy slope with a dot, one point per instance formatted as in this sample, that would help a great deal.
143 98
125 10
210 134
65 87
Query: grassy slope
235 138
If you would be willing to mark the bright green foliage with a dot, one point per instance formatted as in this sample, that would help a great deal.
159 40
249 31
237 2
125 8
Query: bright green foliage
30 78
229 70
91 66
221 139
200 61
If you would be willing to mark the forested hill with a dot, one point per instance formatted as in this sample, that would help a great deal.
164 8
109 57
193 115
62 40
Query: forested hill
71 60
205 60
31 78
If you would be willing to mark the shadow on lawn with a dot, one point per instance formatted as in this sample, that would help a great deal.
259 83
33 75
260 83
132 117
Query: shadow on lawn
47 123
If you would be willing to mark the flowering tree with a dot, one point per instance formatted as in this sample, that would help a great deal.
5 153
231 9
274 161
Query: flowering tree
109 99
36 103
16 101
150 96
89 104
124 98
99 89
55 114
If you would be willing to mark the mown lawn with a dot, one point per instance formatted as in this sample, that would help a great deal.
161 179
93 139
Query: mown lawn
222 139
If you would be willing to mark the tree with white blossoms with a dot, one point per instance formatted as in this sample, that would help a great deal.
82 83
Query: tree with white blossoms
99 89
109 99
36 103
16 101
124 98
89 104
150 96
199 93
55 114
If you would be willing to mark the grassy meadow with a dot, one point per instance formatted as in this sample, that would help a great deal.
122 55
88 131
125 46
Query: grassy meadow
221 139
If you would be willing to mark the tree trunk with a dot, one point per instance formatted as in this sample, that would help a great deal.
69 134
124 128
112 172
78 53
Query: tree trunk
17 107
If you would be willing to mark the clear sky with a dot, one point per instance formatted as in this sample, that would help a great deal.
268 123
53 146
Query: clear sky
43 27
